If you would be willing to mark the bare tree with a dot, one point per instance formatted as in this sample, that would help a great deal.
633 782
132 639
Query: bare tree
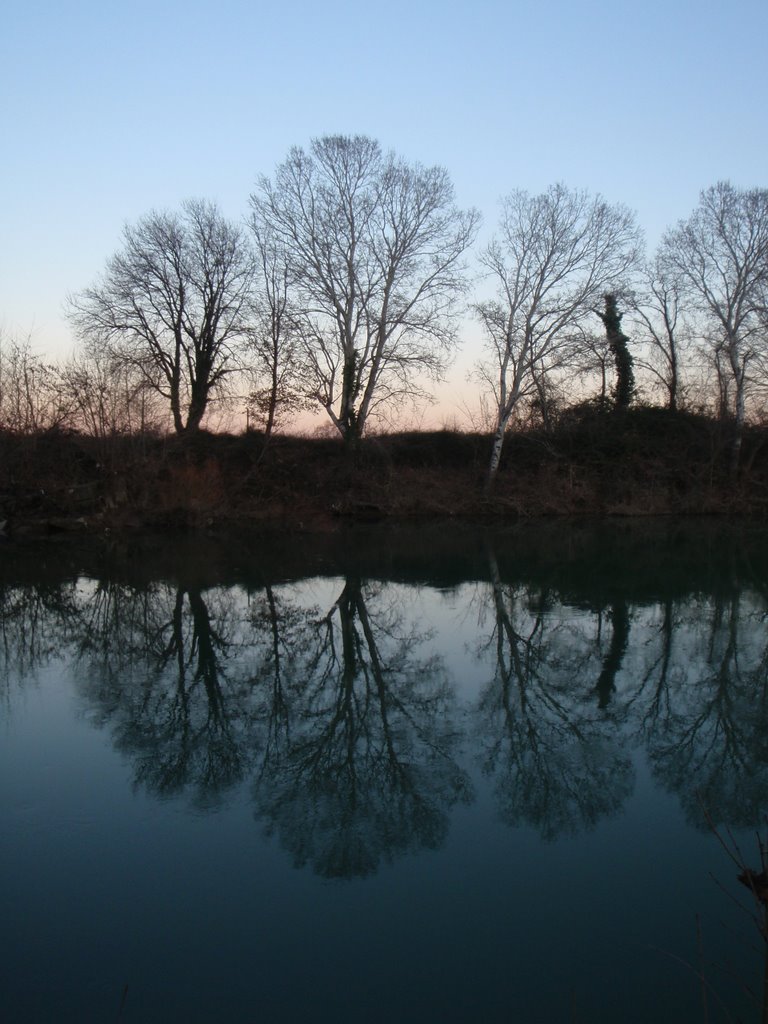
555 255
593 358
31 394
374 248
173 304
273 356
107 396
657 314
719 256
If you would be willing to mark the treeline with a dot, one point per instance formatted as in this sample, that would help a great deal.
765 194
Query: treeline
345 289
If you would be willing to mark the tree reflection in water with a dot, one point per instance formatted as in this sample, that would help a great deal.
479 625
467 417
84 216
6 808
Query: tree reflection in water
558 762
156 663
345 723
711 744
35 620
347 729
367 769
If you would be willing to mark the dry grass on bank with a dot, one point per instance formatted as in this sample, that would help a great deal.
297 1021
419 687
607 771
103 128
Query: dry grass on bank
646 461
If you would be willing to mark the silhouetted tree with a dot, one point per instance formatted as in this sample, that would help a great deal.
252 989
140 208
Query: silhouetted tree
274 357
32 393
556 253
108 396
374 250
656 311
719 257
173 303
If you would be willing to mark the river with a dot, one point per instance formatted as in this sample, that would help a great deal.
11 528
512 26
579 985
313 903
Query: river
392 773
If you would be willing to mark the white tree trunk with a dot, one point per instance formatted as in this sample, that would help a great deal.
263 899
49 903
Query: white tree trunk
498 444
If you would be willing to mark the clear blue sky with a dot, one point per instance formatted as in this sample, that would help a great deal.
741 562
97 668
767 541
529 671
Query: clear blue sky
110 110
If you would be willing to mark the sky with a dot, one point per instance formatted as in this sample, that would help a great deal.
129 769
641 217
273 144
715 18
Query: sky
108 111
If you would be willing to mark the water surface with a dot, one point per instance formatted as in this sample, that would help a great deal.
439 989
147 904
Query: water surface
408 774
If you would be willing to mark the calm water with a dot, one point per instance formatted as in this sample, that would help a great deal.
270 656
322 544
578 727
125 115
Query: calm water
430 774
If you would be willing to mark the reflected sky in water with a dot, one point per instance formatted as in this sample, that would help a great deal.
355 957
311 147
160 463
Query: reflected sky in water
406 774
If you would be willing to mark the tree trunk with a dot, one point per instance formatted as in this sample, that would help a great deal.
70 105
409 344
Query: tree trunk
347 417
272 406
178 422
672 387
673 376
606 683
498 445
195 415
738 376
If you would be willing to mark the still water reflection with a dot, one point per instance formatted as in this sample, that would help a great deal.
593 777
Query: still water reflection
500 746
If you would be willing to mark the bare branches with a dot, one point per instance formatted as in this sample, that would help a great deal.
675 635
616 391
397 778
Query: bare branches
554 257
719 260
108 397
31 396
657 311
374 251
274 355
173 304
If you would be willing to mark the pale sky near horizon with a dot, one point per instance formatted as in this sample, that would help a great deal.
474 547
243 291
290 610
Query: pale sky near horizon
110 110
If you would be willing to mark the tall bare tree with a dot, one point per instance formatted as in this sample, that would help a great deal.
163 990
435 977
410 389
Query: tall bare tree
657 314
719 256
173 303
374 248
274 358
554 256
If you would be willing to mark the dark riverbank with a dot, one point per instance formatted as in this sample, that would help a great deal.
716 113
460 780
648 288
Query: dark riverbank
643 462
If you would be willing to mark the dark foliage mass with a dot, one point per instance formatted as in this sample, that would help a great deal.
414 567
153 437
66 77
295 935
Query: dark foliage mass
619 346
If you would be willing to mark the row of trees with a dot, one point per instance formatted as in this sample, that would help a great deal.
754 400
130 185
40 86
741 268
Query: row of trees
346 288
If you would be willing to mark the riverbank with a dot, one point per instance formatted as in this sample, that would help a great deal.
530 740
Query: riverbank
643 462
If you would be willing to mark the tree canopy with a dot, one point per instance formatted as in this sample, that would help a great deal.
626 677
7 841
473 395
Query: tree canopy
173 303
375 250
